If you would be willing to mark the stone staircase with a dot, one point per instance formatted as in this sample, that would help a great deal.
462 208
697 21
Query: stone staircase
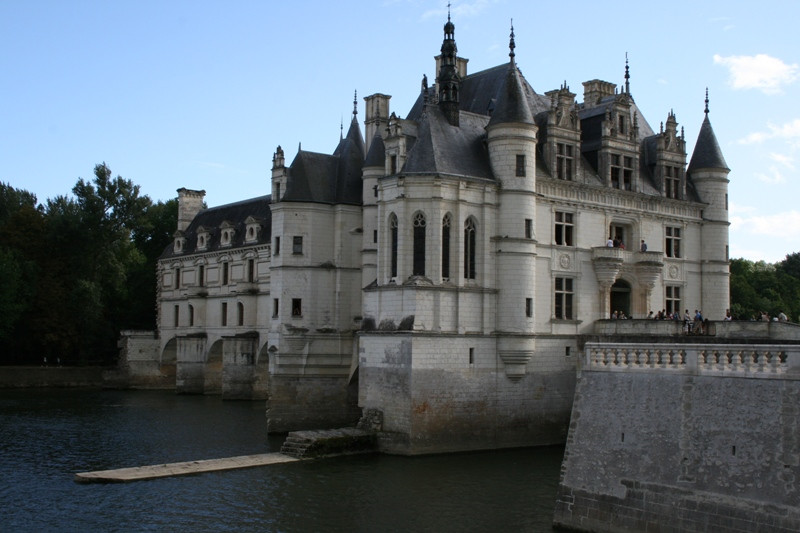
328 442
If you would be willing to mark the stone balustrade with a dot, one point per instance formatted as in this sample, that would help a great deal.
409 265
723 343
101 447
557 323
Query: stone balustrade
733 360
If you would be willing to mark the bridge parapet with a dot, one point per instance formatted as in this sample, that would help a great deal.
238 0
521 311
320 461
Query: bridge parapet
775 361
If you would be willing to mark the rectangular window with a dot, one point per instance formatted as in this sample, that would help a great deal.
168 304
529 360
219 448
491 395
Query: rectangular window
672 245
520 165
224 313
277 250
673 299
563 299
529 307
275 307
616 171
672 182
251 270
191 315
176 316
472 356
393 164
297 245
177 278
297 307
627 173
201 275
528 228
277 193
374 236
564 161
564 229
224 273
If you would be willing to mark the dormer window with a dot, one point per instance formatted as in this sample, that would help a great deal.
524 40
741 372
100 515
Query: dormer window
203 238
227 234
672 181
252 230
180 242
564 161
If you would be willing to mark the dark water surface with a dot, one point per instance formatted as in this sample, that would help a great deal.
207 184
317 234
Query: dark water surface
46 436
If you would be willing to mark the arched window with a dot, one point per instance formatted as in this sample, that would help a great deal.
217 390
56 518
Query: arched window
419 244
446 246
393 241
469 248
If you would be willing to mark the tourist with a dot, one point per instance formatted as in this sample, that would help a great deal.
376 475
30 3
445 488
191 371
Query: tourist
643 246
728 316
782 317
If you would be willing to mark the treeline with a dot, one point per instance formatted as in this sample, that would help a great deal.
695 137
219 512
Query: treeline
758 287
76 270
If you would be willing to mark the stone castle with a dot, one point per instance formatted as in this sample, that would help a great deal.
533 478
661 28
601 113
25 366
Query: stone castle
435 276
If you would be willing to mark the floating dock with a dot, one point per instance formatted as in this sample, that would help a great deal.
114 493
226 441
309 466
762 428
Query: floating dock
139 473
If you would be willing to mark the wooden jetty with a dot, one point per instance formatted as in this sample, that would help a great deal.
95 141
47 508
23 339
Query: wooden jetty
138 473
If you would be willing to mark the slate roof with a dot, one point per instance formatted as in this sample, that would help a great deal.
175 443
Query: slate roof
512 104
235 214
328 179
707 153
443 148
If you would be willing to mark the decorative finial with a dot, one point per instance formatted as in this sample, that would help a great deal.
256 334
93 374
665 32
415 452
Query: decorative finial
706 101
448 11
355 103
627 76
341 128
511 44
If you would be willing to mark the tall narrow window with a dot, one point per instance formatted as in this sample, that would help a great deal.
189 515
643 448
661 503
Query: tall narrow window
673 299
393 244
201 275
419 244
564 161
393 164
224 314
672 245
616 171
528 228
627 173
672 182
529 307
225 273
177 278
297 307
277 250
240 313
277 192
621 124
520 165
564 229
446 246
563 299
374 236
297 244
469 249
251 270
191 315
176 316
275 307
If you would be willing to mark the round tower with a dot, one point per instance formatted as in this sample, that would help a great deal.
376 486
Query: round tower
709 172
511 138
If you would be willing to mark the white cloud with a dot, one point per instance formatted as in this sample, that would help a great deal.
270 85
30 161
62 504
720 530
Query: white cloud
784 160
765 73
774 177
785 225
789 131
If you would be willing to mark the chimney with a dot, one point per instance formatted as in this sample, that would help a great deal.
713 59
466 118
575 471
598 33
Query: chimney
189 204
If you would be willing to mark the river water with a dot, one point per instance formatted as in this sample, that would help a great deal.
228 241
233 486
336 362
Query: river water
46 436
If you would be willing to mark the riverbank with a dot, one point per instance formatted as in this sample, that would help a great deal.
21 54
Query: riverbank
88 377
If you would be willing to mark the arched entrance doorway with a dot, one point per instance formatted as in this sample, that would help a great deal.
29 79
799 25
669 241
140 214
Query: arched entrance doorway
621 298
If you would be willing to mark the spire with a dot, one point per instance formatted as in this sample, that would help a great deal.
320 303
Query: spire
512 103
511 44
627 76
355 103
448 79
707 153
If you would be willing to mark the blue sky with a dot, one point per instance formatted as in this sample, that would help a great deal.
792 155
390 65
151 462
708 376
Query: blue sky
198 94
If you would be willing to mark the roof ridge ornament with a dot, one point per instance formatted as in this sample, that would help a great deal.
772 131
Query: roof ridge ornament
511 43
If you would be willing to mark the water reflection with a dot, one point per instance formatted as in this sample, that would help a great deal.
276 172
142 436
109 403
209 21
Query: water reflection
49 435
